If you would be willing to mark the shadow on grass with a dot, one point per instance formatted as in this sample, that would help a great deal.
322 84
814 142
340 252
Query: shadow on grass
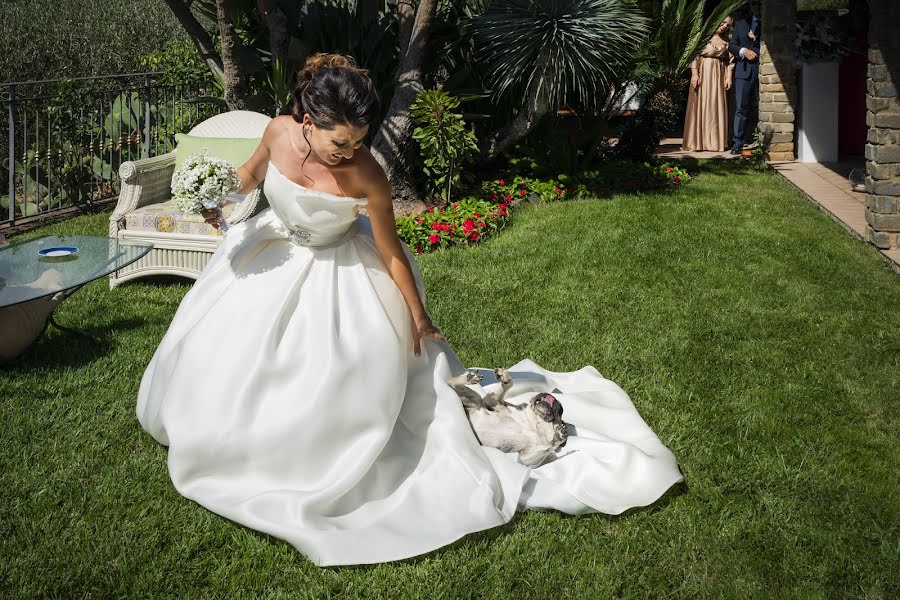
695 166
57 349
155 281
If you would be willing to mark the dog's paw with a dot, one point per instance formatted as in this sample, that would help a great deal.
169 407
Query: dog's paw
503 377
473 376
562 434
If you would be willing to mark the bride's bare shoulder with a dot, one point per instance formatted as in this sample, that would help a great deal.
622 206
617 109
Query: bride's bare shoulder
368 169
370 175
277 129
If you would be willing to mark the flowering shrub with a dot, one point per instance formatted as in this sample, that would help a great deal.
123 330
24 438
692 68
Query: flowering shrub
463 222
616 176
486 208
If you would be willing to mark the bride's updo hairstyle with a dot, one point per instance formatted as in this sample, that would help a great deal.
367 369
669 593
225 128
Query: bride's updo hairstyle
332 90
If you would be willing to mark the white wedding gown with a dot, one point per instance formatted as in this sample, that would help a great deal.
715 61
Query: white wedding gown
290 398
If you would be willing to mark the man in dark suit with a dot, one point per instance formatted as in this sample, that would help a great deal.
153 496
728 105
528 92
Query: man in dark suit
744 46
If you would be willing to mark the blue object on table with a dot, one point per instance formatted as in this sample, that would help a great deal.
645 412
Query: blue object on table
58 251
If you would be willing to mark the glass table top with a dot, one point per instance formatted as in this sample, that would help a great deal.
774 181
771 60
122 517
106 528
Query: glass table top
39 266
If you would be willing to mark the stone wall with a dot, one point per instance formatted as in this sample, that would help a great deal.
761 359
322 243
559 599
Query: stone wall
777 77
883 119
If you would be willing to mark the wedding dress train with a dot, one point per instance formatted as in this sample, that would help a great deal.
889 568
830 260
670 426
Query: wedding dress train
291 401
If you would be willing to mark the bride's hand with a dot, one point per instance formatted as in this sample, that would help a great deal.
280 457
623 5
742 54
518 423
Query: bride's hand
212 216
425 329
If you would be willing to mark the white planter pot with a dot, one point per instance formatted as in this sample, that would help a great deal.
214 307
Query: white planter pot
817 135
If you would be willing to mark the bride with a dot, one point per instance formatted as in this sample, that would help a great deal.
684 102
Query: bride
302 386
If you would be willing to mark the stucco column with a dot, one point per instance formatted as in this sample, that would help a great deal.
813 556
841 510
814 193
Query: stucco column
883 119
777 77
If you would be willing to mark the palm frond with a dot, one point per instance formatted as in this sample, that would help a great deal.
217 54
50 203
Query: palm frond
561 48
679 34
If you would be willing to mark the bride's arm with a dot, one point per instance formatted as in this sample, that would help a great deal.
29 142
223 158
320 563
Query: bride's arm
250 174
381 213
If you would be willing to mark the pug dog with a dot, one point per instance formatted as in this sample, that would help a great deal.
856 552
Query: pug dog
534 429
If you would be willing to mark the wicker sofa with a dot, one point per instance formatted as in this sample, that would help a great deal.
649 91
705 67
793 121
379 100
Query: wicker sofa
182 244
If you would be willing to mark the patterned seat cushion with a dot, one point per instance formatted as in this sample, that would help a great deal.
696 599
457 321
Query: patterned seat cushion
164 218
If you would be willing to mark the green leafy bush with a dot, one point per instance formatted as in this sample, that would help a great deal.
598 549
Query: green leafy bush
180 64
445 143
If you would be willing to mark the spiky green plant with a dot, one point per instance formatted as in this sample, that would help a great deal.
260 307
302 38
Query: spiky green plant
561 50
551 53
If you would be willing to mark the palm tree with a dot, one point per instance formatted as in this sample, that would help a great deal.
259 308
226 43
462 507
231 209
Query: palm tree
556 51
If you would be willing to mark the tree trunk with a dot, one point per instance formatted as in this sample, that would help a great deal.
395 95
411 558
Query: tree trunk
537 104
198 35
393 137
236 85
276 22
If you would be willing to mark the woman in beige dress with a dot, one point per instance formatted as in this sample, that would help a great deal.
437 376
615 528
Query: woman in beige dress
712 71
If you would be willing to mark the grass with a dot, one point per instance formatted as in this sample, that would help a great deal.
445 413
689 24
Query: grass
756 337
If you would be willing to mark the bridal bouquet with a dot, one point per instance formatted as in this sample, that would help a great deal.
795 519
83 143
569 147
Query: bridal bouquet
203 181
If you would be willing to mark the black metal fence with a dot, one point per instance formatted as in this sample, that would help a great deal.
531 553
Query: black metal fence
62 141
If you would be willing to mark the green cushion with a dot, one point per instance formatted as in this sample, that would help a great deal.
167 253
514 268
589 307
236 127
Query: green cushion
234 150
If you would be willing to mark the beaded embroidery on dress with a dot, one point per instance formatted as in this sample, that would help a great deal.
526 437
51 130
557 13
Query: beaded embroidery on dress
290 399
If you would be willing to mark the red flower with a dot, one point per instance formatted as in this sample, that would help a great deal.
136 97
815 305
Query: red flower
419 220
501 182
437 226
669 170
493 196
476 215
507 197
559 190
522 192
677 179
474 236
481 223
431 210
418 249
456 206
468 225
502 210
434 239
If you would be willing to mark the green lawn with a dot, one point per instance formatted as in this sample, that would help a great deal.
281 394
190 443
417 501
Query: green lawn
755 336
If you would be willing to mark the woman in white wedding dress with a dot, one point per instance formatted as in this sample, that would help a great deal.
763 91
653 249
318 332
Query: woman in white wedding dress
302 387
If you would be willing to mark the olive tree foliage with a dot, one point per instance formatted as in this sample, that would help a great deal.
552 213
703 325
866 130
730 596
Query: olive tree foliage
58 39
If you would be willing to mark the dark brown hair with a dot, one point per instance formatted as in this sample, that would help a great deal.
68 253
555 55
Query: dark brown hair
332 89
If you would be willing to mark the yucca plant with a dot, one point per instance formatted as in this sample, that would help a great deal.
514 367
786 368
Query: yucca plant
554 52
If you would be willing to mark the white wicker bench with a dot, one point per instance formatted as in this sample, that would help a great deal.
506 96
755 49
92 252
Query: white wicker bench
147 183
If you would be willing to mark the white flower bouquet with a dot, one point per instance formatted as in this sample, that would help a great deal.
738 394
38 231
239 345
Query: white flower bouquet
204 181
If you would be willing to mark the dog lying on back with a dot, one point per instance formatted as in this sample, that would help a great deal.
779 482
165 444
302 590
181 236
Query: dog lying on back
534 429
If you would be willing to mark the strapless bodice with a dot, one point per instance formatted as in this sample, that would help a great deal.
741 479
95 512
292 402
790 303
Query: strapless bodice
313 217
